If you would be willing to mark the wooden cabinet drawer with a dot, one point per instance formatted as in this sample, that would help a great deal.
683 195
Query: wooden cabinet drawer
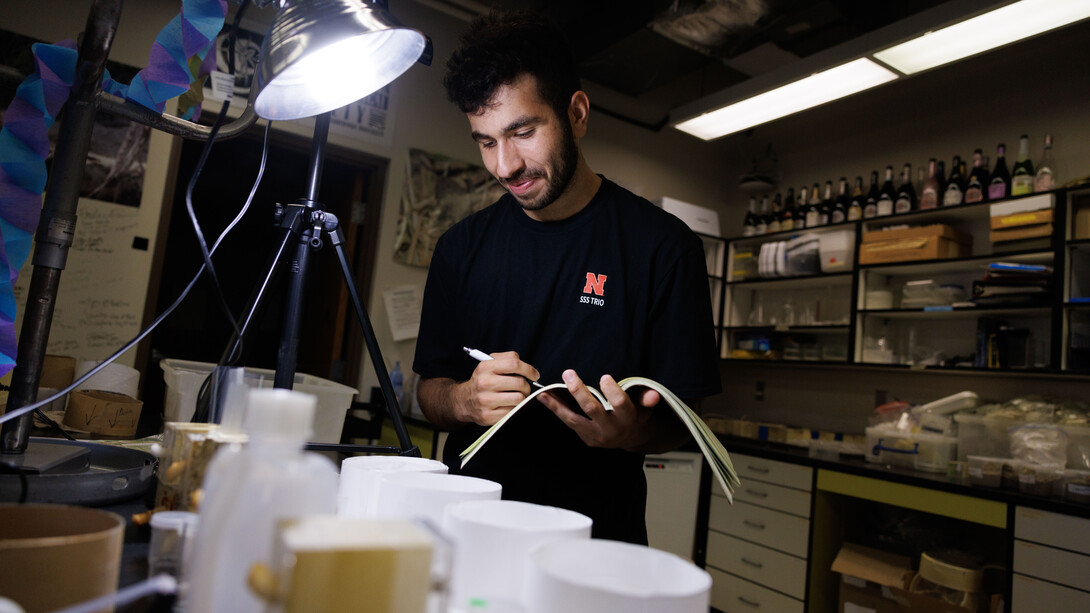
1063 531
762 494
772 471
768 567
732 594
1029 595
780 531
1055 565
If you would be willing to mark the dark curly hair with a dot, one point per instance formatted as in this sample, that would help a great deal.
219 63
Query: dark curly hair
502 46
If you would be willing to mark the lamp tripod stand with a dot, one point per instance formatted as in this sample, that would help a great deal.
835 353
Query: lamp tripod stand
302 225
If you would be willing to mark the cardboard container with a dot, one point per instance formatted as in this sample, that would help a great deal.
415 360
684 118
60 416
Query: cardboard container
58 371
103 413
934 242
1026 218
1081 226
868 578
55 556
1016 233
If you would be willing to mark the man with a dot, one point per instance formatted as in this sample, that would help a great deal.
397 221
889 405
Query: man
566 277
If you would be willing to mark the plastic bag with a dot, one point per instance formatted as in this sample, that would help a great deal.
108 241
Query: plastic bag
1039 444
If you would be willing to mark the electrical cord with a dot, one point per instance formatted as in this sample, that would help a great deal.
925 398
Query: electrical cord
23 410
206 255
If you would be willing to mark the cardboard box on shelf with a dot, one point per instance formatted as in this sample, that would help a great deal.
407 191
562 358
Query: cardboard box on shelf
1081 226
934 242
1026 218
1036 202
1015 233
868 578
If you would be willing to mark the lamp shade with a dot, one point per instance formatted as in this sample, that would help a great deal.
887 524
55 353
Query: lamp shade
320 55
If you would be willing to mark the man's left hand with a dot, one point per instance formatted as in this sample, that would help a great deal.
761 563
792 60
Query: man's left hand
629 426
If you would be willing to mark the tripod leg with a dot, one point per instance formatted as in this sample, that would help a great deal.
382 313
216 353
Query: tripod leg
287 357
392 408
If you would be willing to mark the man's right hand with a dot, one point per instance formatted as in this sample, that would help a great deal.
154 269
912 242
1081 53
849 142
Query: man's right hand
497 385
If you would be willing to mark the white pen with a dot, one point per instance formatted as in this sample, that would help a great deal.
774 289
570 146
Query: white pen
481 356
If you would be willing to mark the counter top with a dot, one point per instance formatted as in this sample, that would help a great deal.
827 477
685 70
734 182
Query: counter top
857 465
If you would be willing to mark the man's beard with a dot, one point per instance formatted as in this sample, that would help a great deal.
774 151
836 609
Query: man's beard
563 164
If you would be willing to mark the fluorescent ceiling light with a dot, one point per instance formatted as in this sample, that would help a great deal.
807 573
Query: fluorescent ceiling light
808 92
983 32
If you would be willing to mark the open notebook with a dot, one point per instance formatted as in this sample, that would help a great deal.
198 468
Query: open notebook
707 440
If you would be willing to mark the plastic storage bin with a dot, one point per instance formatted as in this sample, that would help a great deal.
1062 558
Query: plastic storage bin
836 250
1076 486
983 436
916 450
986 471
1040 479
936 453
184 378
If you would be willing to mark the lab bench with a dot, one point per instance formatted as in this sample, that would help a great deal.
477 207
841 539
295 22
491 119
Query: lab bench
773 548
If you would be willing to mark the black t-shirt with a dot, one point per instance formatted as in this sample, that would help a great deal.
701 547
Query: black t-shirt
620 288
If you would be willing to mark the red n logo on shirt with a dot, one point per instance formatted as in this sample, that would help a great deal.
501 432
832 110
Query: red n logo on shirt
596 284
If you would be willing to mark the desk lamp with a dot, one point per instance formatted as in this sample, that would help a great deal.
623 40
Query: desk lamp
318 55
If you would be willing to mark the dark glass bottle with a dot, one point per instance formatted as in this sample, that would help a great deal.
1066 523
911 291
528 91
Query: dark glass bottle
749 226
999 186
839 213
762 217
825 209
802 208
887 194
976 186
929 193
857 200
954 194
774 216
813 209
787 216
906 194
870 205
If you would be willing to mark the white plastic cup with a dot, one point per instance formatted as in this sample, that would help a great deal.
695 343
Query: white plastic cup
361 480
171 532
594 575
492 539
422 495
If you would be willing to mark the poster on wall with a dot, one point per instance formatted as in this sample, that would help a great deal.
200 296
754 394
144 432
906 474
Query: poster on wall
118 156
439 191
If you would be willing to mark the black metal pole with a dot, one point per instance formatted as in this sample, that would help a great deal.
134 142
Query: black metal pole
288 354
58 221
392 407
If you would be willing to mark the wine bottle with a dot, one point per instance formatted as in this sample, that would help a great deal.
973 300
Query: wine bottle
813 210
839 214
887 195
1022 174
976 188
929 194
787 216
906 194
870 205
774 216
803 207
762 217
955 188
749 226
999 186
857 200
1046 169
825 210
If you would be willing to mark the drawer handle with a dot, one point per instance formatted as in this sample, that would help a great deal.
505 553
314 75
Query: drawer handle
752 563
750 603
757 493
759 469
753 524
